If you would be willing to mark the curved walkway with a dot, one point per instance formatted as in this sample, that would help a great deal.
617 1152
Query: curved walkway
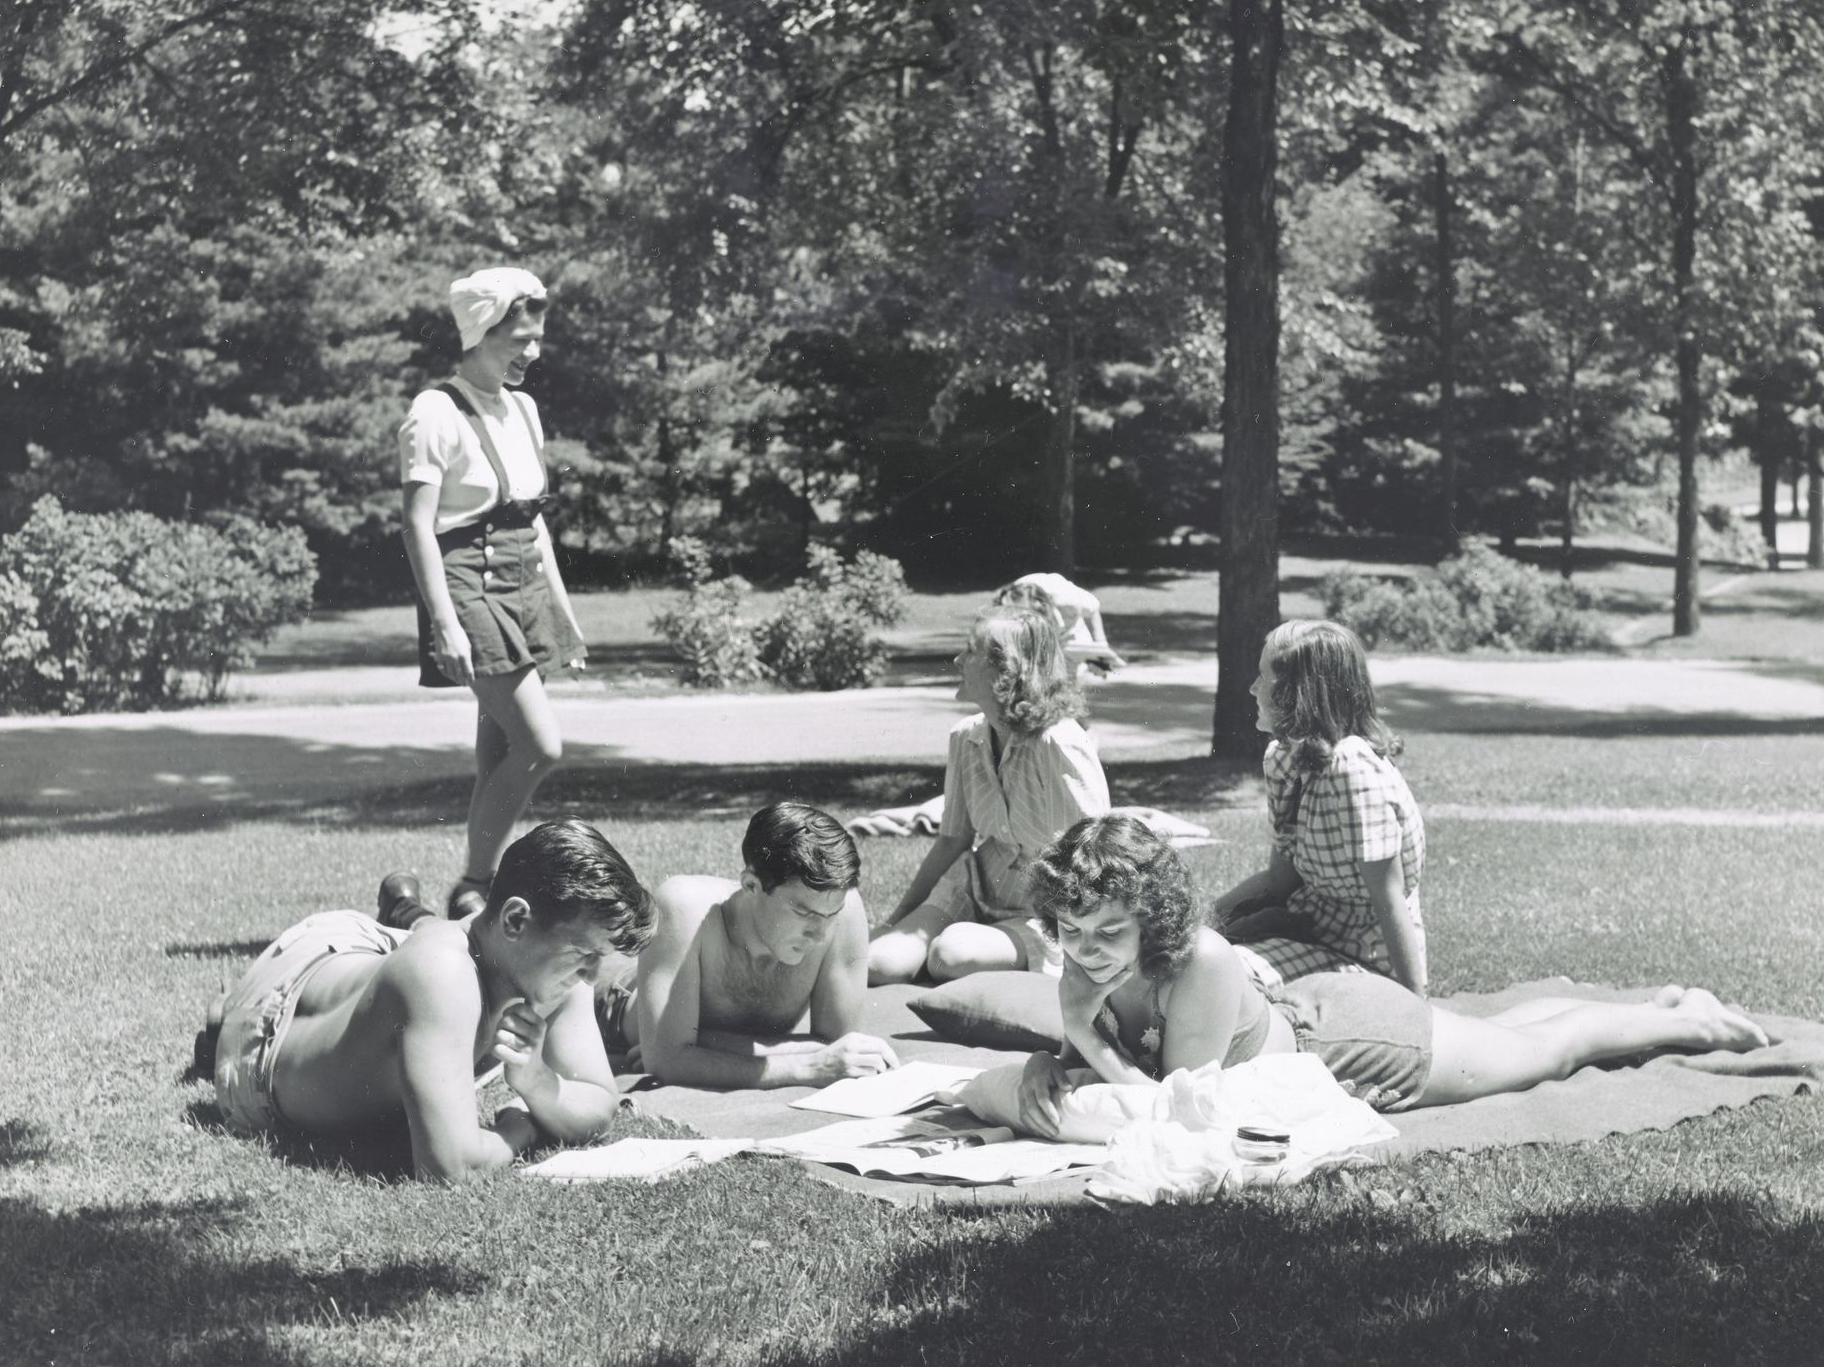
1159 709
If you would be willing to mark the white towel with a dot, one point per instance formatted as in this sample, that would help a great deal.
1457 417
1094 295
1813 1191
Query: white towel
1186 1153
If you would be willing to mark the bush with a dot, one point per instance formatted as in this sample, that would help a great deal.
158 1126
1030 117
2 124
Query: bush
708 630
123 610
1477 598
821 636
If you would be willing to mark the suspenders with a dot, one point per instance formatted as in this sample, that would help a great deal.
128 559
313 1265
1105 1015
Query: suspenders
540 501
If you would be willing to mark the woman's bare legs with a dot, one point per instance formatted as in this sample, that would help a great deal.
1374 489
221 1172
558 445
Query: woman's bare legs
1521 1048
516 745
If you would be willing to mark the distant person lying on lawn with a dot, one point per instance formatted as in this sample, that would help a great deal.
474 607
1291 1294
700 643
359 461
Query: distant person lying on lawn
1341 886
1074 611
1148 989
757 982
1019 771
345 1023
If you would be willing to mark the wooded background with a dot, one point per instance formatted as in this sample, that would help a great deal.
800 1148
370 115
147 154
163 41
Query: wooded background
987 287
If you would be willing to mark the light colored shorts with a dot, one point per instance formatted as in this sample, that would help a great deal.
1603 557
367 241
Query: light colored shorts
979 887
259 1010
1372 1034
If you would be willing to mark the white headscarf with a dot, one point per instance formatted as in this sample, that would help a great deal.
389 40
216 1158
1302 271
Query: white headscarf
481 300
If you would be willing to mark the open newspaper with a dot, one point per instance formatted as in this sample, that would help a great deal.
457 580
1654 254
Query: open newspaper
948 1146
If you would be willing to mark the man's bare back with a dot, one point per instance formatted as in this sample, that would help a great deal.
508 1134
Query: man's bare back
350 1023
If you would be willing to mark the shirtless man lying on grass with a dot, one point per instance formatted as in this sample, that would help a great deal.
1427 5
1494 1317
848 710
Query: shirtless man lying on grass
345 1023
756 983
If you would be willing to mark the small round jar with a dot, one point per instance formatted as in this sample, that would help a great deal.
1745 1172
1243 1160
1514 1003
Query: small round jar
1257 1144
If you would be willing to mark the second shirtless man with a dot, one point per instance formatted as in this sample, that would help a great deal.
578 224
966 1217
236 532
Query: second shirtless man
756 983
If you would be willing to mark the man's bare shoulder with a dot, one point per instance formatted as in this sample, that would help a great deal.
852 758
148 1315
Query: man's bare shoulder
434 969
682 901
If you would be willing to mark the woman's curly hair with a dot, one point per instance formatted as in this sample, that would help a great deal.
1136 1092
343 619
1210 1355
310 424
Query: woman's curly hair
1035 683
1321 693
1116 858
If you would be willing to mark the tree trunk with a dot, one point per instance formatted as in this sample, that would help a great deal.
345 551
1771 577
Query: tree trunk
1814 479
1770 493
1058 511
1681 126
1567 538
1248 597
670 486
1447 359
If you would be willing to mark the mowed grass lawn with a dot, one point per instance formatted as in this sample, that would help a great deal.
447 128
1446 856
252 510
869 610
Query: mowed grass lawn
133 1230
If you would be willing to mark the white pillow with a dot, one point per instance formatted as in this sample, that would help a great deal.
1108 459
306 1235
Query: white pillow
1089 1114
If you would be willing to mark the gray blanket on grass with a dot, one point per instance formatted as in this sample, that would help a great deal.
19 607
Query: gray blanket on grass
1590 1104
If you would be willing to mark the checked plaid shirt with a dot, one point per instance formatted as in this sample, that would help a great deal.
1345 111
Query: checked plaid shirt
1329 824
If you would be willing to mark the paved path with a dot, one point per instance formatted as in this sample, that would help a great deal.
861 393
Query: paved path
54 766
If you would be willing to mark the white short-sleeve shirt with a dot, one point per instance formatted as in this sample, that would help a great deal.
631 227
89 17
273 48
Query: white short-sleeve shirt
438 446
1045 783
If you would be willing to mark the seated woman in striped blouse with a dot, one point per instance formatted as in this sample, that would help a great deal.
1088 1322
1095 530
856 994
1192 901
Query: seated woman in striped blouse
1020 771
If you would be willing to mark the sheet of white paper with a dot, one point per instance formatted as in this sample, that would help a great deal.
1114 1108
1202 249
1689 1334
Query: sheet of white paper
856 1134
905 1088
642 1160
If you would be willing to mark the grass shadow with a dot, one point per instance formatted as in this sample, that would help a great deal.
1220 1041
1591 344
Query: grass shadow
216 949
1679 1280
158 1282
383 1153
21 1141
650 791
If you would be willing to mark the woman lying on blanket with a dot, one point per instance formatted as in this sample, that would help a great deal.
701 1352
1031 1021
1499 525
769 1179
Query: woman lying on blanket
1019 771
1148 989
1341 886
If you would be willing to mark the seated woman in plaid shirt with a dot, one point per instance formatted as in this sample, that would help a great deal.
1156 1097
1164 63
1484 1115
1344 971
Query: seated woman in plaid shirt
1341 888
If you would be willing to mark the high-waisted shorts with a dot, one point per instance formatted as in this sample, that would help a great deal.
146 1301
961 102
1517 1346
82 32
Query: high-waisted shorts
496 575
1372 1034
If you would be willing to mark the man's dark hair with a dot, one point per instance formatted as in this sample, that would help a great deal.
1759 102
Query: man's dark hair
790 840
567 870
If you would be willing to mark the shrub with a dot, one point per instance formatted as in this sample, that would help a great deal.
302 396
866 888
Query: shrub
123 610
1477 598
708 629
821 635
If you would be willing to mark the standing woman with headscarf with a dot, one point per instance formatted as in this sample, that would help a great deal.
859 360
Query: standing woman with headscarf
492 611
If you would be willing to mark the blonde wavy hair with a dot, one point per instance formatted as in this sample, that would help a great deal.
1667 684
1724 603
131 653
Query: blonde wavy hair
1033 681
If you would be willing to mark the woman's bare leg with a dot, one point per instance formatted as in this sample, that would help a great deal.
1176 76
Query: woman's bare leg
516 745
1473 1058
896 953
970 947
1542 1008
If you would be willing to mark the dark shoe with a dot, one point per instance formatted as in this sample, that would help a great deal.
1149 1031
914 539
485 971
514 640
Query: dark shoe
401 902
202 1053
469 896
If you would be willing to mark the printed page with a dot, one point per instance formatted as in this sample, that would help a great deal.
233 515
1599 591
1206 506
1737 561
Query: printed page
905 1088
